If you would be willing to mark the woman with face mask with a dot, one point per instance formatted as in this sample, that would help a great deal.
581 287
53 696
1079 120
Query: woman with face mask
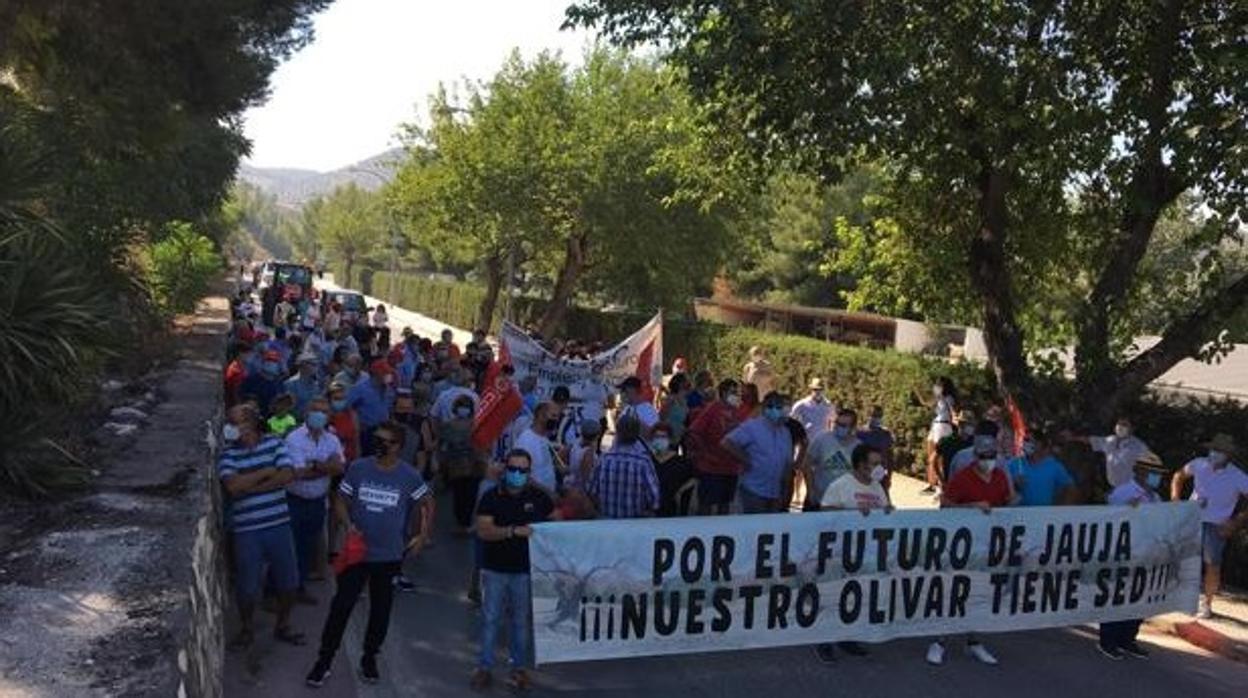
464 467
942 426
674 471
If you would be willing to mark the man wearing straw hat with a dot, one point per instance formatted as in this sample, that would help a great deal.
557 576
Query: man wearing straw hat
1218 486
1118 638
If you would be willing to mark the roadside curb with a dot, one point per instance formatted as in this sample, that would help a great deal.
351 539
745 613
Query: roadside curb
1196 633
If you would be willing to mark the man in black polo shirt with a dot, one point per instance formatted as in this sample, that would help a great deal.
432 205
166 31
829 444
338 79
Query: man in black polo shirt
503 517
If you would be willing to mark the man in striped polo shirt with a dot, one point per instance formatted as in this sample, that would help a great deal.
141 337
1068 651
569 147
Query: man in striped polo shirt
255 469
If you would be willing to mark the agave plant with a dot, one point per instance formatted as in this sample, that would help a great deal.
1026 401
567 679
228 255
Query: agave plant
54 320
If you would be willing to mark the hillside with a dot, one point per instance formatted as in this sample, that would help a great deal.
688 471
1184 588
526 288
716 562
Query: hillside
293 187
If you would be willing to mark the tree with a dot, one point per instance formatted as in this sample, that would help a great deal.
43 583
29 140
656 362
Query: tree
352 226
600 181
1036 138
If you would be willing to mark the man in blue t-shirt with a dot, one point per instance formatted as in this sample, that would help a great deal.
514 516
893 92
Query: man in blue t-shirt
1040 479
764 445
386 501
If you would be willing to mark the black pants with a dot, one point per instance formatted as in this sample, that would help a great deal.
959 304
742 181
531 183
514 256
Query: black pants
1119 633
464 498
380 578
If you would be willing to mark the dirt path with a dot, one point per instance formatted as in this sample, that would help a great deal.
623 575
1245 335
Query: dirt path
94 590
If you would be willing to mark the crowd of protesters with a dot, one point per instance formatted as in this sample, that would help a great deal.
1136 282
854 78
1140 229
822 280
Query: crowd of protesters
337 440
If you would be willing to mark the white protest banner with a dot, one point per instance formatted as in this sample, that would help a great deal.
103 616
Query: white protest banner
589 380
665 586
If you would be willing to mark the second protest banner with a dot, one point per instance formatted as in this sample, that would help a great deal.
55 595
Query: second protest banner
664 586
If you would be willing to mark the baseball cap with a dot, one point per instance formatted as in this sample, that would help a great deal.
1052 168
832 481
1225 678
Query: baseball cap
380 367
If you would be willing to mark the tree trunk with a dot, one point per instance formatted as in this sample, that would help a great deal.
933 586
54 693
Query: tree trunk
493 282
565 285
348 267
991 280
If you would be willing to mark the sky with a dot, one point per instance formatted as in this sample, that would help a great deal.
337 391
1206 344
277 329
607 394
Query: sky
374 63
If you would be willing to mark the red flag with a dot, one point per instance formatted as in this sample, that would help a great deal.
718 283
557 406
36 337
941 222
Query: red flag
645 367
1017 422
500 403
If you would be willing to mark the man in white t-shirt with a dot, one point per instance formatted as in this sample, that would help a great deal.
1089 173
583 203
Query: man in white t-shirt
1122 450
831 455
635 404
814 412
1118 638
536 442
1218 486
859 489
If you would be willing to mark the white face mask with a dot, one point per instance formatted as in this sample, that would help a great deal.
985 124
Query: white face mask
230 433
987 464
1218 457
733 400
878 473
1122 431
661 444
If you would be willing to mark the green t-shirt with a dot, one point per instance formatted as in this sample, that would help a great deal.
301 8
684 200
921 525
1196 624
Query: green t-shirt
282 425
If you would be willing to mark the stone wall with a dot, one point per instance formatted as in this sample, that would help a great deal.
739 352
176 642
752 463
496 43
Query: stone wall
202 654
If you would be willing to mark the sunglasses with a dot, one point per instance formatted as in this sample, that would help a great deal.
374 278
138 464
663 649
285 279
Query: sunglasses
388 442
516 469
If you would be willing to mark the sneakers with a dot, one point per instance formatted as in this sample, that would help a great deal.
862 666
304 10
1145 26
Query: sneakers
519 680
481 680
978 651
368 669
825 652
936 654
1133 649
402 583
1111 652
928 491
320 672
1205 610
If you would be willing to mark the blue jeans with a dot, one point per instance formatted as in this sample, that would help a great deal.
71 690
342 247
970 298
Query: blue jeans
504 592
307 519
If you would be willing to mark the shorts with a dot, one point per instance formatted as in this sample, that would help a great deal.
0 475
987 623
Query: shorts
274 546
939 431
1212 545
716 490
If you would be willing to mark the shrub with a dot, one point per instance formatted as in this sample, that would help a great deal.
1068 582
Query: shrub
181 267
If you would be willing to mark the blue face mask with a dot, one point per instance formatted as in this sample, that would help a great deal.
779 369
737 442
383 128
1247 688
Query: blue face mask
317 420
463 412
271 367
1153 479
515 479
338 405
775 414
841 431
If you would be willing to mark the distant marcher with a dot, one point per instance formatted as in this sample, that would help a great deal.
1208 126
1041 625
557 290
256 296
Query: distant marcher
751 402
372 401
1122 450
831 456
254 469
759 372
703 393
716 467
504 524
461 463
815 411
283 420
381 324
317 457
1040 479
385 501
411 411
1218 485
1118 638
764 446
624 484
236 372
479 356
265 384
535 441
633 403
343 423
675 412
962 438
942 426
446 349
306 383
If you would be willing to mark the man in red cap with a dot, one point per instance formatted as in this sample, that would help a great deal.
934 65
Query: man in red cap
267 383
372 400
